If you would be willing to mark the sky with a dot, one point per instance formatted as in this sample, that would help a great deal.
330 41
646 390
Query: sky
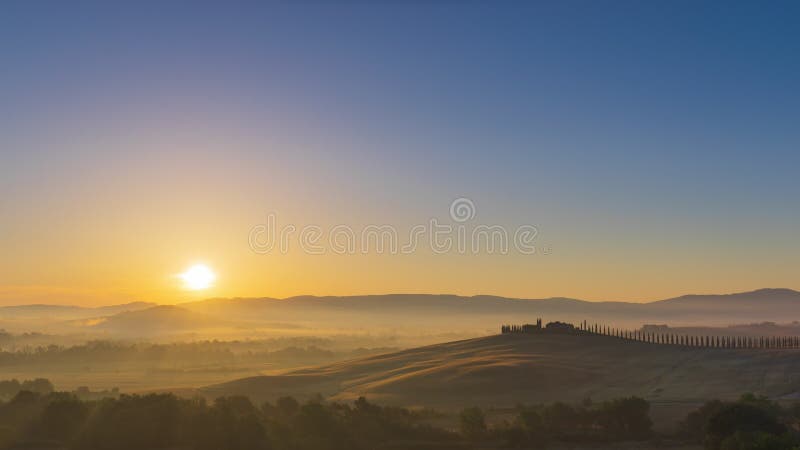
652 145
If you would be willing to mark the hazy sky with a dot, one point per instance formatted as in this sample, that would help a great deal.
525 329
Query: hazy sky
654 145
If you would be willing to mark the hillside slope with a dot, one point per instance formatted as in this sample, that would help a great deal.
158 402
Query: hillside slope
507 369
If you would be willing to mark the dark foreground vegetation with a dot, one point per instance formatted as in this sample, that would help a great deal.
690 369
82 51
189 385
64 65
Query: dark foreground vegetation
58 420
752 423
164 421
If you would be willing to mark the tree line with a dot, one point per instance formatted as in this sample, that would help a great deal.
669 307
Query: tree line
542 426
165 421
664 338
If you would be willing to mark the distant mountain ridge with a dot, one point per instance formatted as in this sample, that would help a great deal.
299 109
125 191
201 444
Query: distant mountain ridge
428 310
725 309
766 293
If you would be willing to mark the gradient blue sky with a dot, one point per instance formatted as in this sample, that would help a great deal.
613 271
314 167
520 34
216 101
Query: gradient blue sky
655 144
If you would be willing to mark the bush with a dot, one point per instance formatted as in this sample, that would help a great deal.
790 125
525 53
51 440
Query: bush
625 418
744 418
694 426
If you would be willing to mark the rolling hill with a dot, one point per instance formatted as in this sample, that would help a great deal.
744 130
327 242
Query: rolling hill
544 368
156 319
504 370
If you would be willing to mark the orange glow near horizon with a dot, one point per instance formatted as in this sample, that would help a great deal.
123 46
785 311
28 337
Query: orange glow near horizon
128 243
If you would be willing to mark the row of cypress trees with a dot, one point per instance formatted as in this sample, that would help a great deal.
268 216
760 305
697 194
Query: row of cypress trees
665 338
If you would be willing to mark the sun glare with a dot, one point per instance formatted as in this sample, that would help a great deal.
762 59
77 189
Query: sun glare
198 277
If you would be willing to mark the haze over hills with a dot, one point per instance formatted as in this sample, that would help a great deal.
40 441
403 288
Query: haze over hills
477 314
156 319
307 327
39 311
59 318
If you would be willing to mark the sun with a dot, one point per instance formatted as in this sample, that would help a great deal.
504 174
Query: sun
198 277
